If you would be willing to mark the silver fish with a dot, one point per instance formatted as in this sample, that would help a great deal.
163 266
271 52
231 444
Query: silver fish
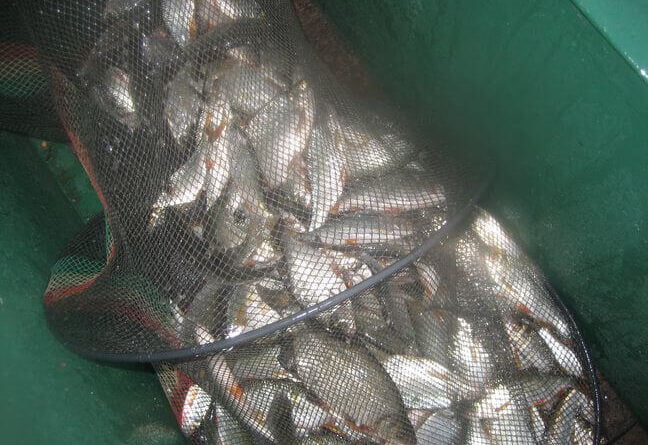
204 314
195 406
184 187
491 232
249 88
116 95
244 54
538 390
219 139
369 154
278 296
367 232
372 325
297 187
562 422
203 336
538 424
423 383
322 439
350 265
317 275
306 415
258 252
244 212
225 429
281 61
247 311
256 361
502 419
182 106
189 402
369 313
583 433
406 277
327 172
215 376
353 273
312 272
212 13
511 427
206 169
180 19
470 359
396 303
436 427
156 45
231 223
522 289
587 409
432 331
291 223
529 350
565 356
118 7
352 383
507 284
383 342
279 133
341 317
243 228
526 292
477 433
177 318
429 277
392 194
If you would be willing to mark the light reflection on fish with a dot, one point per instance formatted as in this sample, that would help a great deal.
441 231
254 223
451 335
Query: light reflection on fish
116 95
248 311
367 232
432 427
470 358
423 383
180 19
393 194
207 169
561 425
370 154
279 133
213 13
498 414
312 272
368 399
183 105
327 171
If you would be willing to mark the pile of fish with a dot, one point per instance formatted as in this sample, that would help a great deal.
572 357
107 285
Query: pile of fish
463 347
295 199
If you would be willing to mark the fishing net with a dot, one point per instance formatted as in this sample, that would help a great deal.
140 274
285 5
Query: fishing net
302 265
25 97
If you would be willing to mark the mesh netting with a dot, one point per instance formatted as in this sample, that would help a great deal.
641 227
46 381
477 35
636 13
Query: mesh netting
313 265
465 345
25 97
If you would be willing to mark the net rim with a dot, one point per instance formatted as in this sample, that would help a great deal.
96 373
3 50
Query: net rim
199 351
586 358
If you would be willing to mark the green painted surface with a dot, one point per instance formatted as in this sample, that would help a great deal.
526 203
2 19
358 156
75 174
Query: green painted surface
538 86
69 176
623 23
50 395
